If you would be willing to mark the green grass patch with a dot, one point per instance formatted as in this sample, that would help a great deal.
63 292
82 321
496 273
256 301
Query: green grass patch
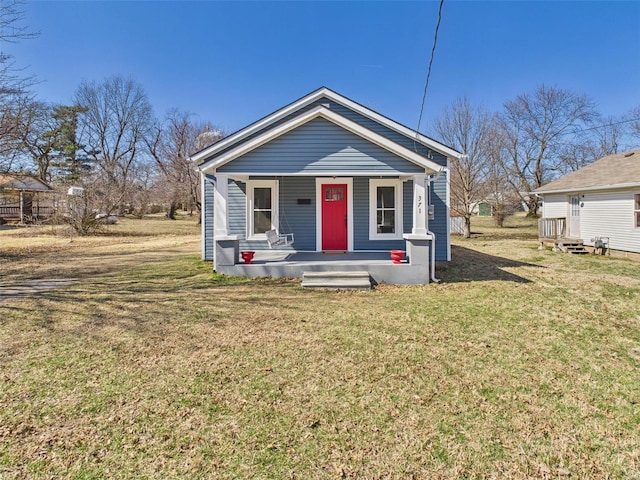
521 364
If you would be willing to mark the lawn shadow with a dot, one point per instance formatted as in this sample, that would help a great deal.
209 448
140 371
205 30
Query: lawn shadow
469 265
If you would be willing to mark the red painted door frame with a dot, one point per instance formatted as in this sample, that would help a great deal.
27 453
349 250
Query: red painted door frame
334 216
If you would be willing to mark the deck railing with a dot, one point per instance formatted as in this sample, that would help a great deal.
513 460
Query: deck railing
552 227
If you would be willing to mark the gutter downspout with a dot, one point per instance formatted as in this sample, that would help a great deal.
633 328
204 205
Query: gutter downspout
432 265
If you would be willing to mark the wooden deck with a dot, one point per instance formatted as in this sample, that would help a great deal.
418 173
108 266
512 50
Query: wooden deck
553 231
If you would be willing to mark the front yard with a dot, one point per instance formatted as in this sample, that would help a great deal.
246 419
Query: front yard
521 363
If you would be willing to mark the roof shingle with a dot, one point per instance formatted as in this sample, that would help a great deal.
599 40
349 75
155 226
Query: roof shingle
613 171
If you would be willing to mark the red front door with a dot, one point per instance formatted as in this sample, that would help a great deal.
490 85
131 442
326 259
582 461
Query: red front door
334 217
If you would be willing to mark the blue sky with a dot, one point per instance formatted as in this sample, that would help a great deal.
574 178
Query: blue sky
231 63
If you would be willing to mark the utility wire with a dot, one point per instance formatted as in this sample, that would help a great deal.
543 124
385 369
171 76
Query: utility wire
602 126
433 51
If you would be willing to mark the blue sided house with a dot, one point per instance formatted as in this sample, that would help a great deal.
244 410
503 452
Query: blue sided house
325 184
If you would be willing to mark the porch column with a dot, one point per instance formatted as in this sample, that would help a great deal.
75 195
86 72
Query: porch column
420 205
220 201
21 206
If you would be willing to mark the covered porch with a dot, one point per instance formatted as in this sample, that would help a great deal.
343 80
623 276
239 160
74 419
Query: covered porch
366 246
25 199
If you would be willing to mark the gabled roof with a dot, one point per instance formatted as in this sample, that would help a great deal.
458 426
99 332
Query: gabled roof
202 156
320 112
620 170
27 183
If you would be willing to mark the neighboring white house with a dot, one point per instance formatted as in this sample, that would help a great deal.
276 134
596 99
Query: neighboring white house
599 200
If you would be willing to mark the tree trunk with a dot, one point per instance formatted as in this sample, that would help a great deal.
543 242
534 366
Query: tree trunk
532 205
467 227
171 212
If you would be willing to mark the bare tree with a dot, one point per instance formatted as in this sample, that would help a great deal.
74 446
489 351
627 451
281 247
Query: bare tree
117 120
634 128
12 81
13 112
13 84
466 128
497 190
534 129
170 146
36 130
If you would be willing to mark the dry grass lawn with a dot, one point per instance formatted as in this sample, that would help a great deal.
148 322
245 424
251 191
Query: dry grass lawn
520 364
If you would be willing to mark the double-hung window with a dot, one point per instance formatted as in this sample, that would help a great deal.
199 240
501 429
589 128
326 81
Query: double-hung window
636 210
262 207
385 209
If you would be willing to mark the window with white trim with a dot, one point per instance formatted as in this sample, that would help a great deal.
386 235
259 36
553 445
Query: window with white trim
385 209
636 210
262 207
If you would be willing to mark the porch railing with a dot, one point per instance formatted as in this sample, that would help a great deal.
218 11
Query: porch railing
34 213
9 211
552 227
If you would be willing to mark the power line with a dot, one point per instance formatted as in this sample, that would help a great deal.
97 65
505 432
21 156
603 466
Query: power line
603 125
433 51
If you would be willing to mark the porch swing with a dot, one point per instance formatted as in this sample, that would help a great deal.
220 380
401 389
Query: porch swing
276 239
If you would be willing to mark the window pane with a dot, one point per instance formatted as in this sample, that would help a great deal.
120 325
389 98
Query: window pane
262 198
386 221
261 221
332 194
386 197
637 202
638 219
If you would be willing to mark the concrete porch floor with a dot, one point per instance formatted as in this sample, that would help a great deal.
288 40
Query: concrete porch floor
283 257
291 264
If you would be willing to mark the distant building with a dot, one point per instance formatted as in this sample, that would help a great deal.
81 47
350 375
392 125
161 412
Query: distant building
599 201
24 198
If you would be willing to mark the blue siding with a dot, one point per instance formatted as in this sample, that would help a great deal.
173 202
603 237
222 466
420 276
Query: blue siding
237 209
361 210
407 205
321 147
301 219
207 217
401 139
439 224
380 129
297 219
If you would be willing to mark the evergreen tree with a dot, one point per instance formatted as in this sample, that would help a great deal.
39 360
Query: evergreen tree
72 160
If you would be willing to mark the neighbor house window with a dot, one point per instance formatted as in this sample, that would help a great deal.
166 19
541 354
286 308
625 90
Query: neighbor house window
262 207
385 209
636 210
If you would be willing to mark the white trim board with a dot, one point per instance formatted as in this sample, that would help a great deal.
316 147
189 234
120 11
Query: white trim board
251 185
397 185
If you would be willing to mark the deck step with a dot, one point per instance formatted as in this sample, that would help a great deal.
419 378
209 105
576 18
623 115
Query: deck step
337 280
574 247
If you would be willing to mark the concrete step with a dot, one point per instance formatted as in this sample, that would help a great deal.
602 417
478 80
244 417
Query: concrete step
337 280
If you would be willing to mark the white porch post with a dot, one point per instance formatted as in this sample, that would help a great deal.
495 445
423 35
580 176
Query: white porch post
220 201
21 206
420 205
